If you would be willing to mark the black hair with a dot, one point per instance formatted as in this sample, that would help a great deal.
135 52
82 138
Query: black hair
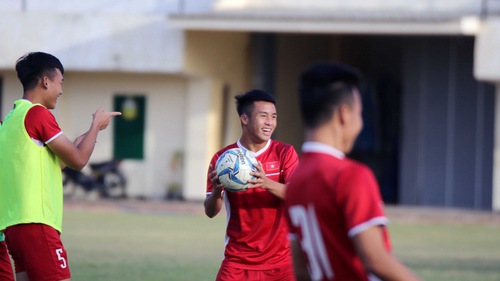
244 102
33 66
323 87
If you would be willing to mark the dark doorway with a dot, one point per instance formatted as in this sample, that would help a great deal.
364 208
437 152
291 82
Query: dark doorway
379 59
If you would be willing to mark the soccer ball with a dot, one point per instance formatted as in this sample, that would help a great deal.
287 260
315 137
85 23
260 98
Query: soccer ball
233 169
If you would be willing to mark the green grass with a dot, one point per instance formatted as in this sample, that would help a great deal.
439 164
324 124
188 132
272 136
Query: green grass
127 245
132 246
449 251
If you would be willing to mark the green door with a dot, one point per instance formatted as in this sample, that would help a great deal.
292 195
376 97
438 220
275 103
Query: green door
129 127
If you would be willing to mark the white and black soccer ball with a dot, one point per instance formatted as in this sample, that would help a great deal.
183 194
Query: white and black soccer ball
233 169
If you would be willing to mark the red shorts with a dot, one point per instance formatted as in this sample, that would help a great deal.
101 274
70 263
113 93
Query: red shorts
6 273
37 250
237 274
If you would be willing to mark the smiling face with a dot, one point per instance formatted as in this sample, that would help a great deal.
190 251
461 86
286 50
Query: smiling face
53 89
258 128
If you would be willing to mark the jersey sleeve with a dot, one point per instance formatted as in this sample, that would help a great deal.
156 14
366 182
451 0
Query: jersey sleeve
41 124
290 162
361 200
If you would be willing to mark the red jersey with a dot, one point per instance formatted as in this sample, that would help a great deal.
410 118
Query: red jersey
256 234
329 200
41 125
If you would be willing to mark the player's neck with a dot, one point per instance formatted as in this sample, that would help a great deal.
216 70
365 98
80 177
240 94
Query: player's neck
252 145
326 136
32 96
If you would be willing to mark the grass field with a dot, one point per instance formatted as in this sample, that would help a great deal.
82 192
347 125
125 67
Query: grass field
118 242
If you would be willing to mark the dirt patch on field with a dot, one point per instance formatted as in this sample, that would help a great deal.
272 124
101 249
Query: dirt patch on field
139 206
395 213
427 214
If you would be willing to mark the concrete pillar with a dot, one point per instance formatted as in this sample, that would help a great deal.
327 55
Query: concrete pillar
495 204
486 62
203 133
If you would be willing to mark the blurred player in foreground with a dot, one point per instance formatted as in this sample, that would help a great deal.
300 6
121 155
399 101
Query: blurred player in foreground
257 247
334 207
33 150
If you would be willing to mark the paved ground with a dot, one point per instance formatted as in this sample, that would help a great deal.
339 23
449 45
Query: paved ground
442 214
196 207
139 206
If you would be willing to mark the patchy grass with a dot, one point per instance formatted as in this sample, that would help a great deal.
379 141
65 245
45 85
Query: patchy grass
128 244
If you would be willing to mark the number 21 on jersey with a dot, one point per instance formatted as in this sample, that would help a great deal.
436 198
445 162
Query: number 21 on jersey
312 241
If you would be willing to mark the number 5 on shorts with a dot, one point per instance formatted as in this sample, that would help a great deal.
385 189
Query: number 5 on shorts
61 258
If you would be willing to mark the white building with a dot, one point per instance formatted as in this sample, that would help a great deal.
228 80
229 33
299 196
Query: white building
431 135
109 49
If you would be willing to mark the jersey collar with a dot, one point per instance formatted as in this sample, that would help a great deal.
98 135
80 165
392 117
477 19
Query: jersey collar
258 152
318 147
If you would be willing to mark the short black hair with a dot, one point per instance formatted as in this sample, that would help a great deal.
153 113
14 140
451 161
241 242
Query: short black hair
244 102
33 66
323 87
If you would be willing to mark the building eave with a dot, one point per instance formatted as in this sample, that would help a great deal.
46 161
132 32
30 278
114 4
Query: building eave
333 23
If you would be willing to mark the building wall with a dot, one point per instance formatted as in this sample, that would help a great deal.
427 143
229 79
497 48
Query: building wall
164 134
217 64
357 5
224 57
93 42
196 103
448 132
125 47
11 90
428 133
486 62
193 76
289 66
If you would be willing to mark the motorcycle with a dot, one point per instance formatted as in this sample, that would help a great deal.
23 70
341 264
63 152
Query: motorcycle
105 177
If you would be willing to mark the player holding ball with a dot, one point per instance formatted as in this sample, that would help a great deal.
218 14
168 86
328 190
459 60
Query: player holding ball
256 245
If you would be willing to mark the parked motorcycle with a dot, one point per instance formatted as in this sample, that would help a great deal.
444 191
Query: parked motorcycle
105 177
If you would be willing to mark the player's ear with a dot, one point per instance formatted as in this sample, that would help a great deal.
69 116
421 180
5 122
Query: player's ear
244 118
45 82
344 112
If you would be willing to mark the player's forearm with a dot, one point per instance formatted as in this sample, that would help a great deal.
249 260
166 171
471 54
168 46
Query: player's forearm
100 121
377 260
86 144
213 204
74 156
389 268
276 188
79 139
299 262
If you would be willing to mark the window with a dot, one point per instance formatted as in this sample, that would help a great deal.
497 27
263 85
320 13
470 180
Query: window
129 127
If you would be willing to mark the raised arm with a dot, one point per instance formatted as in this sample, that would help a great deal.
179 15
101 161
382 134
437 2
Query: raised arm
76 155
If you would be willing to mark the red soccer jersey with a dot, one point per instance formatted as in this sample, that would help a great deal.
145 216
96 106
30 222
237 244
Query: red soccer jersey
256 234
41 125
331 199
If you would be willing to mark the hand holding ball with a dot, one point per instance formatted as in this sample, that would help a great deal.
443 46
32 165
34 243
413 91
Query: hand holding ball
233 169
